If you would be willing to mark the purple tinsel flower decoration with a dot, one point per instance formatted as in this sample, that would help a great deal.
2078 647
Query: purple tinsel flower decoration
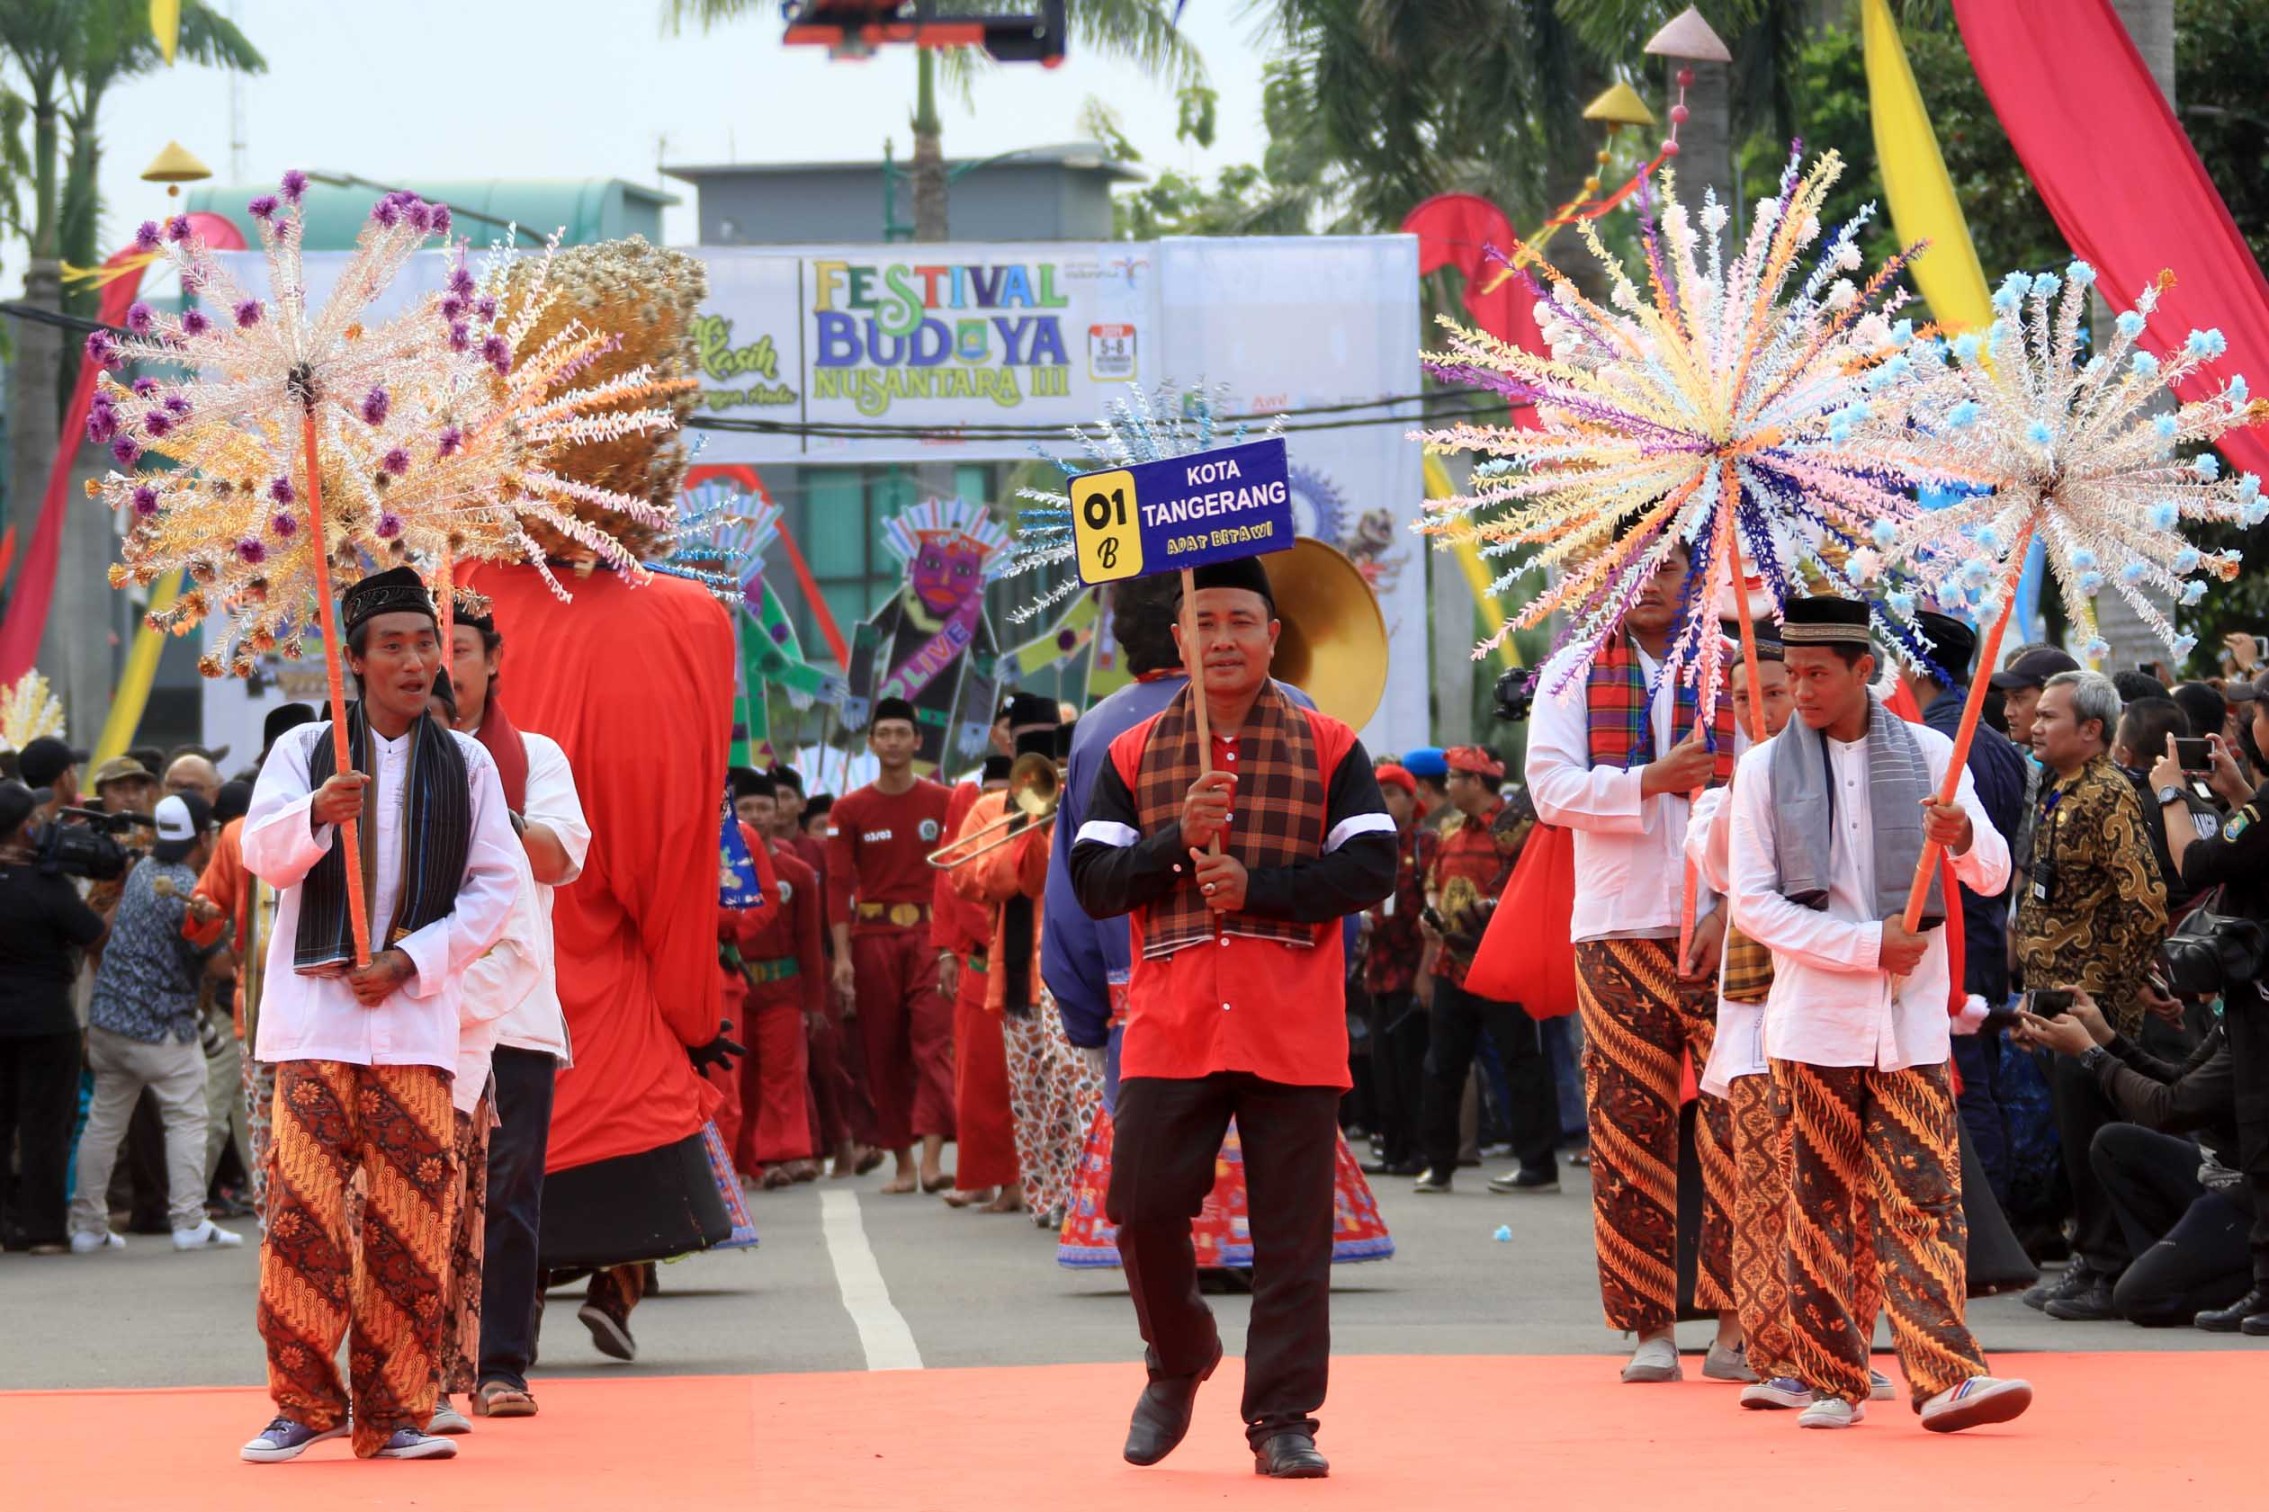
177 229
374 406
497 353
252 550
386 212
281 491
102 425
439 217
145 501
145 388
460 336
140 318
263 207
157 423
389 526
452 307
420 215
396 462
248 314
102 348
485 308
461 281
194 323
176 405
295 185
146 236
190 282
124 449
283 526
451 439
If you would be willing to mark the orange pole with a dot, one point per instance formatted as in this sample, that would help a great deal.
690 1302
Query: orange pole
1728 551
1741 608
448 601
350 836
1972 710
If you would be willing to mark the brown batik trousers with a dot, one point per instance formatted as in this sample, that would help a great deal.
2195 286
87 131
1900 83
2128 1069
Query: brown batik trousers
468 1240
1638 1020
318 1280
1886 1140
1760 1232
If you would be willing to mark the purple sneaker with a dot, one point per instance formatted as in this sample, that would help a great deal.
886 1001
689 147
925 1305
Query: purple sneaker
411 1443
284 1439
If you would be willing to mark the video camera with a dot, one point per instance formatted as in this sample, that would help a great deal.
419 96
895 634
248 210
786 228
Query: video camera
1514 695
90 847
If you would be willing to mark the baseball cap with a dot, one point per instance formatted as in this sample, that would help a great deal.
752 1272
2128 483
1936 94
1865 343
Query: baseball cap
120 769
44 760
2033 670
17 804
181 819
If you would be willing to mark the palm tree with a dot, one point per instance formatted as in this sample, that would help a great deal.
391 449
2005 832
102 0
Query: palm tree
1140 32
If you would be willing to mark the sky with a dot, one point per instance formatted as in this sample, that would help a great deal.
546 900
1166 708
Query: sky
451 89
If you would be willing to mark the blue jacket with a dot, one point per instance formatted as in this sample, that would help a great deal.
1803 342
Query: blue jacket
1081 958
1998 769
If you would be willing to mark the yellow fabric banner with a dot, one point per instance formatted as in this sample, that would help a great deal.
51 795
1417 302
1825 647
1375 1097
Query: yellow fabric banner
1921 196
134 682
1468 553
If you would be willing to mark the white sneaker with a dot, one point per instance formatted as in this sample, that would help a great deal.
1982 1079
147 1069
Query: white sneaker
1653 1361
206 1235
87 1244
1832 1412
447 1419
1976 1402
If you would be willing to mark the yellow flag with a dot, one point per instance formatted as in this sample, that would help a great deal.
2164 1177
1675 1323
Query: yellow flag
1923 207
1467 549
165 25
134 682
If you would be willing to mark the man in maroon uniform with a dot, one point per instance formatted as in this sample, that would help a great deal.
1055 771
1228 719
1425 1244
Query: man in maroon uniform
785 972
879 886
1237 1007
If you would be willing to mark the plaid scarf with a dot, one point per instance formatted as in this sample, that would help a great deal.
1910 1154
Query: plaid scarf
1621 714
437 836
1748 974
1279 814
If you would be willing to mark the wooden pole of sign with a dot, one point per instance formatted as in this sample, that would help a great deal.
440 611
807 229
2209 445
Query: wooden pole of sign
1193 661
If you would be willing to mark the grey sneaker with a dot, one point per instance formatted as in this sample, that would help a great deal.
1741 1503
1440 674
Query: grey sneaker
1723 1364
409 1444
1832 1412
1879 1387
284 1439
447 1419
1655 1360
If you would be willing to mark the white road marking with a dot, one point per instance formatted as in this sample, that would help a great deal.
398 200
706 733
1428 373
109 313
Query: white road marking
883 1335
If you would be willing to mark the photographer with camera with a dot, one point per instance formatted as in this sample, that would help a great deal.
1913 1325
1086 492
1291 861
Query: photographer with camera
44 928
2184 1210
143 1032
2218 947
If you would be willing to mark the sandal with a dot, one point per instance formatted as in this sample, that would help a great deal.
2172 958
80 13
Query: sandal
501 1399
776 1177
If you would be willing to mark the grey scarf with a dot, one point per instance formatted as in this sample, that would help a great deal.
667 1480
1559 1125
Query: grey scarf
1804 814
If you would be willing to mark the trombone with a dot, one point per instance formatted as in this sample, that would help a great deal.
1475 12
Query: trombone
1034 788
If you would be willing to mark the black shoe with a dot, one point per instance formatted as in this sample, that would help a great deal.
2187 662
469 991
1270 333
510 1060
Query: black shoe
1289 1456
2252 1308
1526 1182
1162 1414
2091 1304
2076 1278
1430 1181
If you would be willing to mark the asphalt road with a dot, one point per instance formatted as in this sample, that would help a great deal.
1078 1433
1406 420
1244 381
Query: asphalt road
969 1289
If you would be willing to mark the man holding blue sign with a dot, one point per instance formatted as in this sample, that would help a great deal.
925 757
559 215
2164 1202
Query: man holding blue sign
1238 830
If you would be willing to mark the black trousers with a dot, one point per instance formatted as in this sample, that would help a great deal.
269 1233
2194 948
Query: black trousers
39 1095
1456 1023
2190 1244
1162 1157
510 1280
1398 1073
2081 1110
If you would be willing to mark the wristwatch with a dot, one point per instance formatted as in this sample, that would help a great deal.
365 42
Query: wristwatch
2093 1059
2169 795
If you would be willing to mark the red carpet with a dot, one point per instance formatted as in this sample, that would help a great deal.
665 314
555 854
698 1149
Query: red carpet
2169 1432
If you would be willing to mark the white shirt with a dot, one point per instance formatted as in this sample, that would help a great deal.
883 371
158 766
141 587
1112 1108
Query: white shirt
1738 1047
316 1017
1831 1004
1630 850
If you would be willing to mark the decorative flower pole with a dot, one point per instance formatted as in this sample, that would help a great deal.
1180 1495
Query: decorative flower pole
2074 456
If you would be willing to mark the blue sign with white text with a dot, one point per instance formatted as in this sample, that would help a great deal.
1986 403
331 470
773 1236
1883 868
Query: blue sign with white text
1209 506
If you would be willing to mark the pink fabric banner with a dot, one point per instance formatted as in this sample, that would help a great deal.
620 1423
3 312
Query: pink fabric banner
2122 180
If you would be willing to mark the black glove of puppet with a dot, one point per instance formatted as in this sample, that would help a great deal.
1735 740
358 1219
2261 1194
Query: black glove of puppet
719 1053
